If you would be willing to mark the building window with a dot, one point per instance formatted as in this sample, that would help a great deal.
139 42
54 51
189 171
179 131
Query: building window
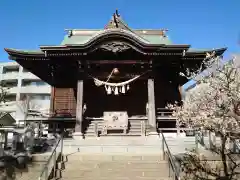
25 70
10 98
9 83
40 97
10 69
41 83
33 83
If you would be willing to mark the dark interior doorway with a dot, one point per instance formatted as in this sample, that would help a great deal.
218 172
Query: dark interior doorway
133 101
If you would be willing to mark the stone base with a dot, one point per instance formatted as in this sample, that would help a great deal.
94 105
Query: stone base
78 136
153 133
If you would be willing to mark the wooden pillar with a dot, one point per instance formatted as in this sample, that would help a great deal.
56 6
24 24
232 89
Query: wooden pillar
151 105
79 111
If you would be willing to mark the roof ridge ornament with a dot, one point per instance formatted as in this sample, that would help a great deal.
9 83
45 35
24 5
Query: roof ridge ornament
70 33
116 13
163 32
115 22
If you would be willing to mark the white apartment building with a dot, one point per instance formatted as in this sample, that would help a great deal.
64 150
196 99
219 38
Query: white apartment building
20 83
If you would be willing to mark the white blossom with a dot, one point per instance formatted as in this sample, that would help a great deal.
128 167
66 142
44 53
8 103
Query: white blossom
214 105
214 102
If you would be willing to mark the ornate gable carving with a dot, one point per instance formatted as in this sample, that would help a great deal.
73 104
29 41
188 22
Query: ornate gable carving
115 46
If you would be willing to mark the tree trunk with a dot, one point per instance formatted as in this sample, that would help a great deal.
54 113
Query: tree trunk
223 155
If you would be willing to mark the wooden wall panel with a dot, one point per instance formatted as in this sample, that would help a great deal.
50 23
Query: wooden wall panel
64 101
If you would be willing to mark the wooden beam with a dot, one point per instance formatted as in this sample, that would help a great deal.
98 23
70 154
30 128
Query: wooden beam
117 62
151 104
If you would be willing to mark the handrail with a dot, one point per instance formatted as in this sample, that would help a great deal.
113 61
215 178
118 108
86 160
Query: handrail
170 158
44 175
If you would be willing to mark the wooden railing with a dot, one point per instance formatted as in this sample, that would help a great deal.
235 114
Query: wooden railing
164 112
50 165
178 130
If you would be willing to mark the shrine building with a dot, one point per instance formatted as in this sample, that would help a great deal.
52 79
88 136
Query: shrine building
119 77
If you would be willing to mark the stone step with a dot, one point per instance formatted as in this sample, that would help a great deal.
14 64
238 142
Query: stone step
111 175
132 132
131 121
117 166
116 172
100 128
129 144
32 171
122 134
130 124
115 149
93 167
134 129
180 144
136 132
128 131
116 178
115 141
112 134
108 157
41 157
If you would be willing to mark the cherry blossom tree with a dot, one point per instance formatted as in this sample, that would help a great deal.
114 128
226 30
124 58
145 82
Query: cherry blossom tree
213 106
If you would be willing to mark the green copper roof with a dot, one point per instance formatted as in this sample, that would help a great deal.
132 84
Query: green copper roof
115 25
76 39
147 38
199 50
26 51
157 39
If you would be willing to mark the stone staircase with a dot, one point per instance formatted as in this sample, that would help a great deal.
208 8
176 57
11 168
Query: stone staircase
31 172
80 166
112 157
178 145
33 169
117 158
133 130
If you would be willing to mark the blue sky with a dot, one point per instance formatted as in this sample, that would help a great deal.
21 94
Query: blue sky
26 24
